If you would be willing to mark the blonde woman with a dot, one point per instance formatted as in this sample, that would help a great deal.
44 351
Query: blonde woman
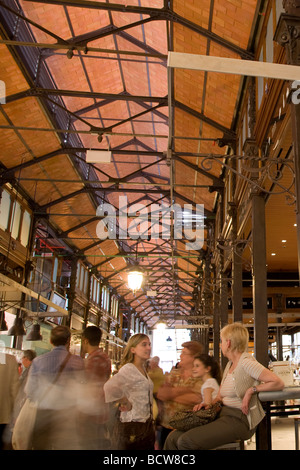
132 390
243 379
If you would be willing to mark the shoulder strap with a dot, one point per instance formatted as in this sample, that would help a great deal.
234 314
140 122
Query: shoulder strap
61 368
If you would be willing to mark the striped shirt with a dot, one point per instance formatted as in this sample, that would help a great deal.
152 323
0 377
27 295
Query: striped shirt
228 390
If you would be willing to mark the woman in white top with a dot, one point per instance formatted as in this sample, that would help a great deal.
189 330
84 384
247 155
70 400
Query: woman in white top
241 412
206 368
132 389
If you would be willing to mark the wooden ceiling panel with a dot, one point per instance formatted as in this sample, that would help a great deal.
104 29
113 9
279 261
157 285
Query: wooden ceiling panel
8 141
108 114
51 17
26 113
80 204
232 20
83 20
197 12
10 73
43 192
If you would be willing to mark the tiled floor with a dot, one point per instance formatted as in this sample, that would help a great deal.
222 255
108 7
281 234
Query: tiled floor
283 435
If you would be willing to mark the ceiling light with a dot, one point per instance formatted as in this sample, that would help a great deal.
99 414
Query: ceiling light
283 241
34 334
3 324
17 329
161 325
135 279
273 254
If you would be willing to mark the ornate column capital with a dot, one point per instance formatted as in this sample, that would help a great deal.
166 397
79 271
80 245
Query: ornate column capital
250 148
287 34
292 7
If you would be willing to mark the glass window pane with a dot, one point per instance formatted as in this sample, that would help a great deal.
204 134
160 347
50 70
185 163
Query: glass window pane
4 209
269 39
81 278
78 275
86 278
98 293
279 9
260 83
55 268
25 231
15 220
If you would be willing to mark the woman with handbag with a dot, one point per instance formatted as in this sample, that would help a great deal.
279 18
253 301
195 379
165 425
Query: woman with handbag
132 389
244 377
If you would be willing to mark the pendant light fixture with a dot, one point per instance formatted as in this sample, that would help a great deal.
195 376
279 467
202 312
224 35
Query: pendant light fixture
135 278
18 328
161 325
3 324
135 275
35 333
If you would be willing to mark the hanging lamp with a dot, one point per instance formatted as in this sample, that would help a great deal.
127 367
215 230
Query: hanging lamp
3 324
135 278
18 328
35 333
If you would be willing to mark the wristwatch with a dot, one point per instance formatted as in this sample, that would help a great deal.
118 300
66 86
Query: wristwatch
254 390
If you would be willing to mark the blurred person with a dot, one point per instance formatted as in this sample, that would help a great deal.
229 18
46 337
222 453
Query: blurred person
180 391
9 387
244 377
52 383
132 389
94 412
156 374
27 357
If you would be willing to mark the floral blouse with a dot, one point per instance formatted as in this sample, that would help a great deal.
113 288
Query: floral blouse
170 407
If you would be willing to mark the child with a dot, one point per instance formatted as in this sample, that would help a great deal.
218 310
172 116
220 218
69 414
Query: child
206 368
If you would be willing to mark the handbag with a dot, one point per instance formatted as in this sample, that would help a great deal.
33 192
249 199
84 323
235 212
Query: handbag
134 435
187 419
24 426
25 423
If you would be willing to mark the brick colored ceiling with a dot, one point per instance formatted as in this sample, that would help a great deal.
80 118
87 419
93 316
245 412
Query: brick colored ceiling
77 93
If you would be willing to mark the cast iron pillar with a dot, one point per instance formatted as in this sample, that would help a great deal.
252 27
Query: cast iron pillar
259 276
237 268
287 35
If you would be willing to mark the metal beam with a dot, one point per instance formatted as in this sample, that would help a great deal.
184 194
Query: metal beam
103 6
155 14
93 94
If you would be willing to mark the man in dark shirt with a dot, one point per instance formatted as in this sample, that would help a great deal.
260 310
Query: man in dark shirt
94 410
